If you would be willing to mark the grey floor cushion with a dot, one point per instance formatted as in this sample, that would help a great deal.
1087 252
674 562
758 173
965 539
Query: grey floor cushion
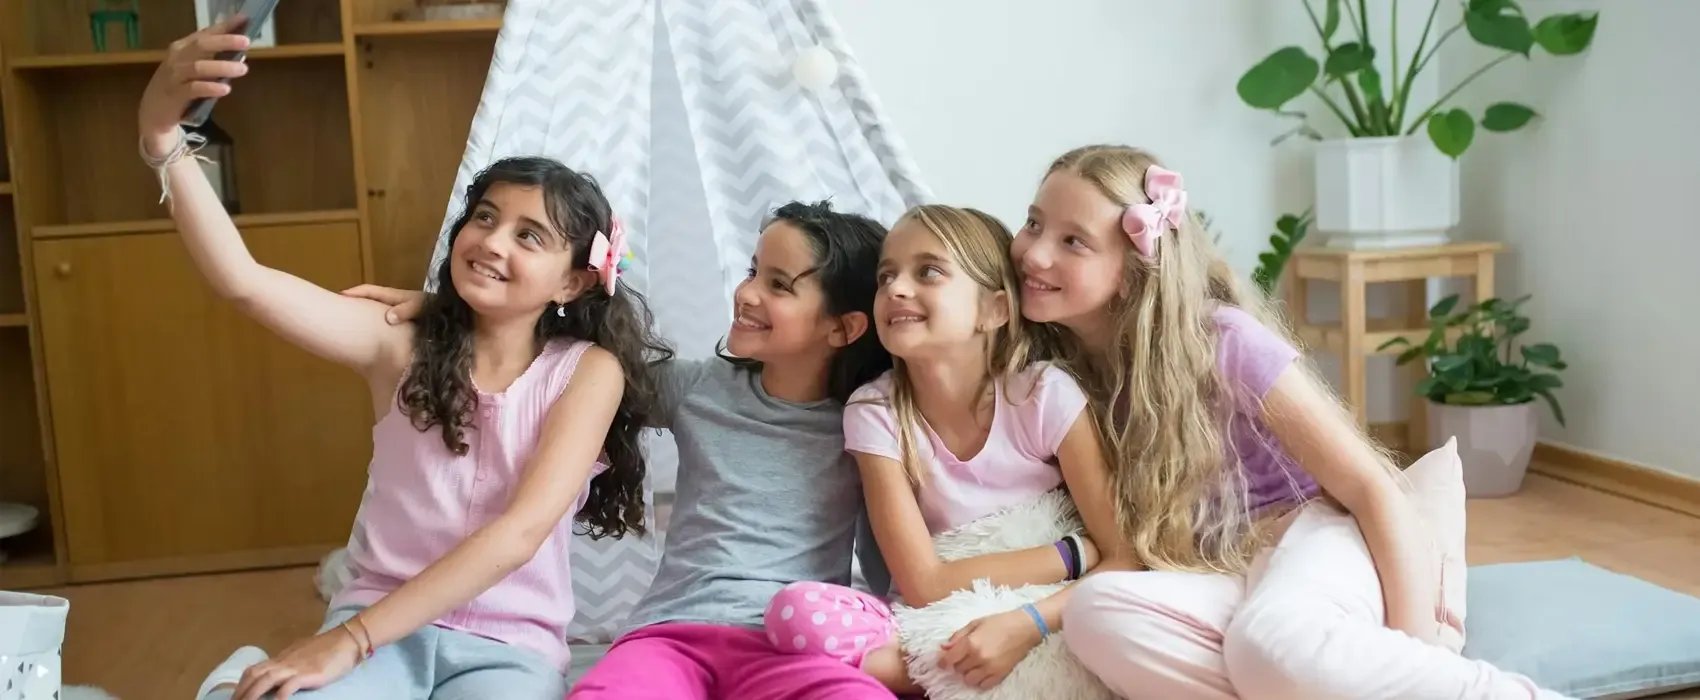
1582 630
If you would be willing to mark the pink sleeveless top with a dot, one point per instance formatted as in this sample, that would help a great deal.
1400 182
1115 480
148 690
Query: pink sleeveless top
421 500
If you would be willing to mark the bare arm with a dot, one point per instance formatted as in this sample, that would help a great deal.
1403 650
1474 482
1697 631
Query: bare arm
1317 433
554 477
907 547
1081 457
347 331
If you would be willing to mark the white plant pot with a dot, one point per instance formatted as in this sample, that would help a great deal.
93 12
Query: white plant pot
1494 444
1385 192
32 632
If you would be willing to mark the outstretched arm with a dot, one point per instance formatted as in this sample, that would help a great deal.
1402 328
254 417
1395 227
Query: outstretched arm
906 545
348 331
1316 432
556 474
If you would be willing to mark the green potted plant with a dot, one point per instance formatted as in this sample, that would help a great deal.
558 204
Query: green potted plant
1290 231
1383 185
1481 388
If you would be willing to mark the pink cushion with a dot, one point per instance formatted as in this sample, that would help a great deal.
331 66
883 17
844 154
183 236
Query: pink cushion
1436 484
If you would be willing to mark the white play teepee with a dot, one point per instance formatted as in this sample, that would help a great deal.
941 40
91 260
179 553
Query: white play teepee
698 117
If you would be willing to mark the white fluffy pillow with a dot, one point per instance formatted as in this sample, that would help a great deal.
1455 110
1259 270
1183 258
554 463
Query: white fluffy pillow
1050 670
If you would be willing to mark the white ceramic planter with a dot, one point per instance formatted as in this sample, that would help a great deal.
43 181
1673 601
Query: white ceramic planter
32 631
1387 192
1494 444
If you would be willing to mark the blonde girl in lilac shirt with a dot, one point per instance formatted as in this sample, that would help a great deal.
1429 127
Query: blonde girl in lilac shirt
962 427
507 413
1222 440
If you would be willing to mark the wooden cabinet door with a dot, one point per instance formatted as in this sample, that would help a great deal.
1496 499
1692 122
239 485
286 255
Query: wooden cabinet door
188 436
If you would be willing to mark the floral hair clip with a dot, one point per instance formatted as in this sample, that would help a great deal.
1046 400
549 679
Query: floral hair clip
1145 223
609 254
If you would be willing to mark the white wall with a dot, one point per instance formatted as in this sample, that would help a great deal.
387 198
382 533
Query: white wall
1007 85
1597 206
987 92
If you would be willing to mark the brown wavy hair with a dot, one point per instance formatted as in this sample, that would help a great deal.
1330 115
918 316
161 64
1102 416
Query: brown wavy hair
438 392
1164 412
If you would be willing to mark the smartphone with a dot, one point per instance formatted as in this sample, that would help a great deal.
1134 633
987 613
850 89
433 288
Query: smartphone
256 12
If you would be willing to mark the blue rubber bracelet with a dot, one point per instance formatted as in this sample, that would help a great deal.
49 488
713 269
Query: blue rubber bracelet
1044 629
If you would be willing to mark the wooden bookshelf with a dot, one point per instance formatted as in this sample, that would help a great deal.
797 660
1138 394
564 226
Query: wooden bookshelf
159 430
151 58
428 28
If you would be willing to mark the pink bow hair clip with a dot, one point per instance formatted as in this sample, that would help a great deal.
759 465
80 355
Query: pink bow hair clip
1145 223
609 255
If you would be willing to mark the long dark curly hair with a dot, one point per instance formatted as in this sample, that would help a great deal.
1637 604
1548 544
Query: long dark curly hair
438 390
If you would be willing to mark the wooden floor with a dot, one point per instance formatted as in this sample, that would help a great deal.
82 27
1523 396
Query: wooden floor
156 640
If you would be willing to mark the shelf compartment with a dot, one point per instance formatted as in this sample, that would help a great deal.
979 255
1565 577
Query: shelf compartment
11 272
154 57
23 471
428 28
55 28
120 228
289 121
27 569
416 104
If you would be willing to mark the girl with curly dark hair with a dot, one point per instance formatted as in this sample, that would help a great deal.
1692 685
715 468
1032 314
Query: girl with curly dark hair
509 411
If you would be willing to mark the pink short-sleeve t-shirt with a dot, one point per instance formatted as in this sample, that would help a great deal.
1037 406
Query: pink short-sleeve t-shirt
1032 413
1251 358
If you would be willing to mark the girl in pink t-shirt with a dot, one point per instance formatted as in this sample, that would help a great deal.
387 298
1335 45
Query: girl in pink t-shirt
963 426
507 413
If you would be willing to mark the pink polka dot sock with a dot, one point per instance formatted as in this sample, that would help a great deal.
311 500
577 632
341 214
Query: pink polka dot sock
827 620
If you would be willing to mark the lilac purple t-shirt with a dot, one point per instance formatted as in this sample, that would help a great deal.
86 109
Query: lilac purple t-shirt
1032 413
1251 356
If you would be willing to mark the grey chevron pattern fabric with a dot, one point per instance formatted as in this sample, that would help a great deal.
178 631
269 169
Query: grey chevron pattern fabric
688 114
561 84
762 139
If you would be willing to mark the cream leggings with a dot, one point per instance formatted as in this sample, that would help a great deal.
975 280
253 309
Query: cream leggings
1309 629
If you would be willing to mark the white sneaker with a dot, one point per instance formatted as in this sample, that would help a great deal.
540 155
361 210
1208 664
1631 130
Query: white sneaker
230 672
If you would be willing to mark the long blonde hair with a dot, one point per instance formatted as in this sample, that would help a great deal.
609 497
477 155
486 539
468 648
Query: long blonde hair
1164 412
979 244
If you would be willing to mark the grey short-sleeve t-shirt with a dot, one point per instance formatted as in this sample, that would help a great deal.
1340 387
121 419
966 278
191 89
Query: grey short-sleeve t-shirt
766 496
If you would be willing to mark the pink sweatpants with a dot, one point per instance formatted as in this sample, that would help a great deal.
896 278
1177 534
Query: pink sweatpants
827 620
1309 628
686 661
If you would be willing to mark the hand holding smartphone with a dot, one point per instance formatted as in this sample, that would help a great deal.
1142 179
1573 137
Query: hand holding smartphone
255 13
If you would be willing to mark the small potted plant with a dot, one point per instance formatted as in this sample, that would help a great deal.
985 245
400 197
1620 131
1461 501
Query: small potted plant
1290 231
1382 184
1481 388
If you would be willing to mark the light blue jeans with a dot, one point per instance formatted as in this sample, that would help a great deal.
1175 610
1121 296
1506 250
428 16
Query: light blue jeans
441 664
